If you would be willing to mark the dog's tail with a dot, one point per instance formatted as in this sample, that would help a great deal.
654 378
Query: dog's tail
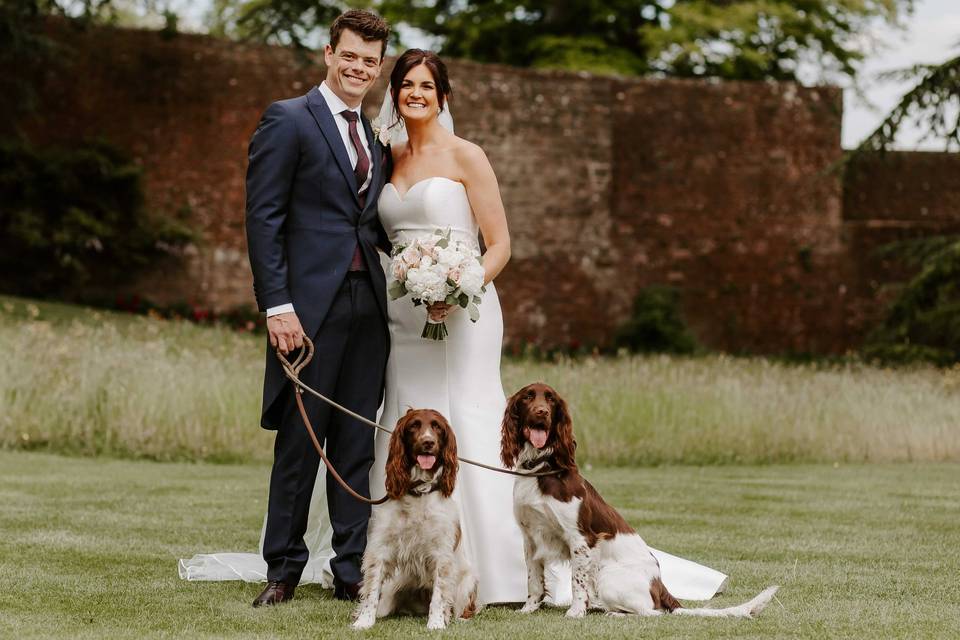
749 609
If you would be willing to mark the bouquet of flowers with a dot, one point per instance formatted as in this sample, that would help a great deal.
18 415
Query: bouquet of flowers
438 269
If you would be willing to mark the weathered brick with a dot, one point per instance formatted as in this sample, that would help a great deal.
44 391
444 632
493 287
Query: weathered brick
727 190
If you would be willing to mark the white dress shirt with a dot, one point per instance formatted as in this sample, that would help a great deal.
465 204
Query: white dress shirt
337 106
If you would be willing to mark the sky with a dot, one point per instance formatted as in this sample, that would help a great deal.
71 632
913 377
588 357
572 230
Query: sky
930 35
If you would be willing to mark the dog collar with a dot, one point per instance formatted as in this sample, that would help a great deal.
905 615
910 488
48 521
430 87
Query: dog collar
423 487
539 463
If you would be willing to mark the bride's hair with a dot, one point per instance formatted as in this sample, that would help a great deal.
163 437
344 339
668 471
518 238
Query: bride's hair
412 58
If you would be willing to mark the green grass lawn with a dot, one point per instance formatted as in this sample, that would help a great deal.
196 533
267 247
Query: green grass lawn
88 548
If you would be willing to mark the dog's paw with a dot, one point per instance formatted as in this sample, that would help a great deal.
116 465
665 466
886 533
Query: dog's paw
530 606
576 611
364 621
435 623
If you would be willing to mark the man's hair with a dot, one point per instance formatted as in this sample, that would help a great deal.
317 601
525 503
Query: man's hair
365 24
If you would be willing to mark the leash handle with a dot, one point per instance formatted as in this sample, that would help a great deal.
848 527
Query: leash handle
293 369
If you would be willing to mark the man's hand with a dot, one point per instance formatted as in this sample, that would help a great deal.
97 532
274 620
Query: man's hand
285 332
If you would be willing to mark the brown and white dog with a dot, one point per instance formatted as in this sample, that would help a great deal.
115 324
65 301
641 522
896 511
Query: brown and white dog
414 560
562 517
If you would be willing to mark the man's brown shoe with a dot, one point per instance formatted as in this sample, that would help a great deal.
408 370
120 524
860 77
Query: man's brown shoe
274 593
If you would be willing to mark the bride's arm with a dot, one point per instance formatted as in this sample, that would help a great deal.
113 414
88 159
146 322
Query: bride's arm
484 195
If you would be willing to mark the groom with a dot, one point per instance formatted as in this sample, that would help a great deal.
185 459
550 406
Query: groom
315 172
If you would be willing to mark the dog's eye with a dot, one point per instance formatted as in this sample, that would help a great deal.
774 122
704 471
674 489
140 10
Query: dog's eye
435 424
548 395
530 395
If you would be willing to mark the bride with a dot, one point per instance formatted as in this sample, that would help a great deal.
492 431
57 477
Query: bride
442 181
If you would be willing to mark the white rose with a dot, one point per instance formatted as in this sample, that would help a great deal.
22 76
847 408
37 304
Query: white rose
471 280
429 285
428 247
410 256
399 270
449 257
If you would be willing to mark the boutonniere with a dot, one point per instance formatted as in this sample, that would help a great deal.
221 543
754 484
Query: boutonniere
381 132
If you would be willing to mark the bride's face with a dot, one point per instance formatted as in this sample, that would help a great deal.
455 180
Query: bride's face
418 98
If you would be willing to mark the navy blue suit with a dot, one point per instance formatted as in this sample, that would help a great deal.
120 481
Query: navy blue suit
304 220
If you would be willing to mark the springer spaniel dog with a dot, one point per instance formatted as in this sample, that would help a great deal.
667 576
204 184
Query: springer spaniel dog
562 517
415 561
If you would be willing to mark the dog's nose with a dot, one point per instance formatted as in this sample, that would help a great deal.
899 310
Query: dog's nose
428 443
540 411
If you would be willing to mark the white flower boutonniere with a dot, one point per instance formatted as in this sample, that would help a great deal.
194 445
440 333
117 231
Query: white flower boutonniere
381 132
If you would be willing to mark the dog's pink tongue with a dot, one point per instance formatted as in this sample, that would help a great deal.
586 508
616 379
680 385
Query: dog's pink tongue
538 437
426 462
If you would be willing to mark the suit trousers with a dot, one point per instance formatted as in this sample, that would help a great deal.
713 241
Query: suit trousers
348 367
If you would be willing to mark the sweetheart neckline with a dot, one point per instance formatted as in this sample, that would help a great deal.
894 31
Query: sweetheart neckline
407 192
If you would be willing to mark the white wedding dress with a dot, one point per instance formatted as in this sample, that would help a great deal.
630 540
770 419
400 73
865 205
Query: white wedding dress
460 378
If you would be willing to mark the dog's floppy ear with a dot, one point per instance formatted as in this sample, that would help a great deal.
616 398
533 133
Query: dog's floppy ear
565 445
398 476
510 431
448 480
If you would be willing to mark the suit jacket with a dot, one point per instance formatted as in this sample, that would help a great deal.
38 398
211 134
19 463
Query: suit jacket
304 219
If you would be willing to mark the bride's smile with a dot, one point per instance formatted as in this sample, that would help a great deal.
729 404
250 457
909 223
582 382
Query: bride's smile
418 95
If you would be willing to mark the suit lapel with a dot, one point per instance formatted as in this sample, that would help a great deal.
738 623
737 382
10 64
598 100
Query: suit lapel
376 158
321 113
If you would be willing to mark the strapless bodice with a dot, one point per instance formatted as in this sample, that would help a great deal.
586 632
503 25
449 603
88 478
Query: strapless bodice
429 204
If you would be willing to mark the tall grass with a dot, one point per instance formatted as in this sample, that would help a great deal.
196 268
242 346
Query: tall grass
102 383
91 382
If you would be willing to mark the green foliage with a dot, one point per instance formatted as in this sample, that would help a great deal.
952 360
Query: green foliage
765 39
656 325
597 35
68 217
923 323
24 50
740 39
302 24
933 105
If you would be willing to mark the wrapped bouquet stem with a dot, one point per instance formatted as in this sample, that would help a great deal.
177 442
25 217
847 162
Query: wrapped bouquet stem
438 269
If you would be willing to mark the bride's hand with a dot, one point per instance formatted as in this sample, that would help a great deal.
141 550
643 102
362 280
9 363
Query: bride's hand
438 311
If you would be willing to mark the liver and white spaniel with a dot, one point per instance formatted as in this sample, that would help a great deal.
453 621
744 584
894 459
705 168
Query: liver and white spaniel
564 518
414 561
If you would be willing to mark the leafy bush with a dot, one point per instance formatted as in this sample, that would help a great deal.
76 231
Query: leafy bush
923 323
69 217
656 325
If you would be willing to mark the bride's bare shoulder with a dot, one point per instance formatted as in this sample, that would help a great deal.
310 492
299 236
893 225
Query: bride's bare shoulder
469 154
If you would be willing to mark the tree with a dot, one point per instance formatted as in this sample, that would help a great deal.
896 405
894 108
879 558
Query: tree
933 104
923 323
301 24
738 39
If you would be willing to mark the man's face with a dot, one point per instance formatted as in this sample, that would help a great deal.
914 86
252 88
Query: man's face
353 67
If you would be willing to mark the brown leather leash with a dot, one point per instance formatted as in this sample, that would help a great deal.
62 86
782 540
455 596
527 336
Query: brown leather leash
292 371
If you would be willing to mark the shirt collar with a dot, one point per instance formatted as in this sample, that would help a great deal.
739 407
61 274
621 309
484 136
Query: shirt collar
335 104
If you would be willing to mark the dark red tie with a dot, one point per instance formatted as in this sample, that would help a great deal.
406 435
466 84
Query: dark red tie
359 173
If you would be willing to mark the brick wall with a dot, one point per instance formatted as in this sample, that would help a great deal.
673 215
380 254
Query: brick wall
725 190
